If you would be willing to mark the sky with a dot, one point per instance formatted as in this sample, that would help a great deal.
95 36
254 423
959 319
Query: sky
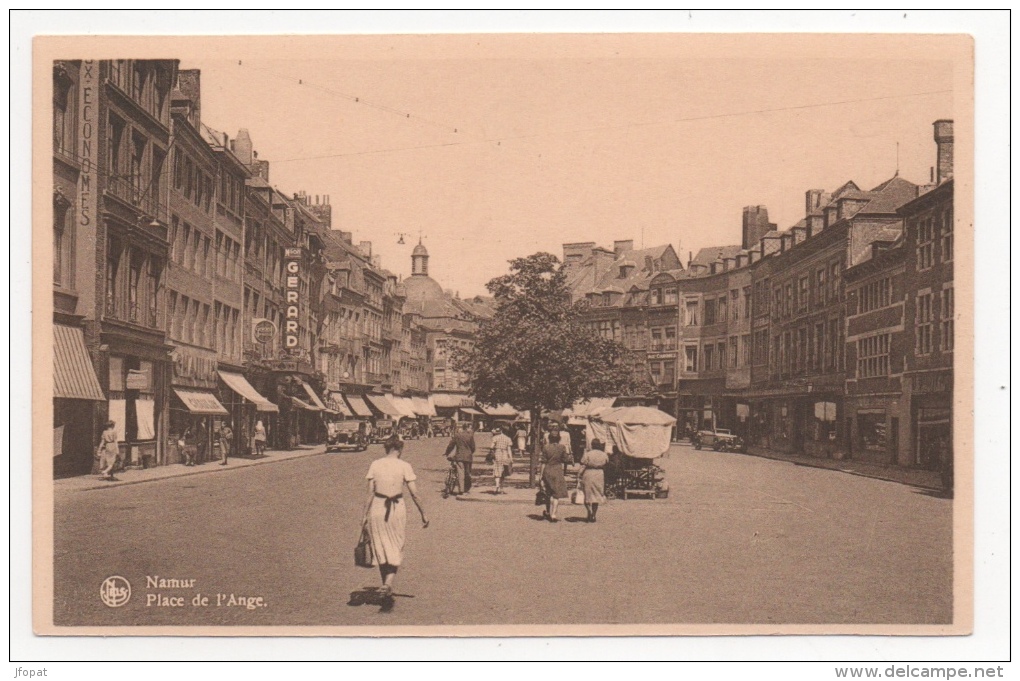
492 149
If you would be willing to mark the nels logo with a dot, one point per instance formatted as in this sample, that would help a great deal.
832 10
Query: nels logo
115 591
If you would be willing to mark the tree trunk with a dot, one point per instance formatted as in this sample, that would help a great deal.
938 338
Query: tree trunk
536 444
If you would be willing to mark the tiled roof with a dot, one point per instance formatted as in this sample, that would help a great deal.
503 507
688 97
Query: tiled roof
890 195
707 256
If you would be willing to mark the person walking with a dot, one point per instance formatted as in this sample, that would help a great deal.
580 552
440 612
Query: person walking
553 456
187 446
108 451
385 514
461 451
260 438
592 478
502 457
522 439
225 436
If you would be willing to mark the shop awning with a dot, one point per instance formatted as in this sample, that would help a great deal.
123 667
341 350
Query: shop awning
336 402
358 406
471 411
384 405
502 411
74 377
404 405
446 400
240 385
301 404
315 398
422 407
584 408
201 403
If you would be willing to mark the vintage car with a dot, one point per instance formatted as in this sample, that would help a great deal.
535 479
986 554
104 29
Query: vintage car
383 430
409 429
441 426
720 439
349 434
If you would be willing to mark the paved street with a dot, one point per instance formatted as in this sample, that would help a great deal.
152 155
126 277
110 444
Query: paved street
741 539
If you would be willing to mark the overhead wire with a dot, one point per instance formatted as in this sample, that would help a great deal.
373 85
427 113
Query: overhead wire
687 119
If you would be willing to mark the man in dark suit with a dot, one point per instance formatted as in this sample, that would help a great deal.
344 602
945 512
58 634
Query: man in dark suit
461 451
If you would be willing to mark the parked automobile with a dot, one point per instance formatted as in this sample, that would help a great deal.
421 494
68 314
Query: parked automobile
441 426
409 430
349 435
720 439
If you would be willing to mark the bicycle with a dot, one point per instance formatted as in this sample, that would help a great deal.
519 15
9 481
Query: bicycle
452 485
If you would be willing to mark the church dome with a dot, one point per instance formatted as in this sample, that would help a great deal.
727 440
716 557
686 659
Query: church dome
421 288
419 250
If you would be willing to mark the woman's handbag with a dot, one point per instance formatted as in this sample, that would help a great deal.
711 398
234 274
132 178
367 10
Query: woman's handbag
363 551
541 498
578 496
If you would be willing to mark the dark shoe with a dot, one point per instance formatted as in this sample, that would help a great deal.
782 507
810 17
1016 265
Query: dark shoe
223 463
546 516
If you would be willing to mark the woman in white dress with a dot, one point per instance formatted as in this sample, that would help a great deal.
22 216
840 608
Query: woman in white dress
386 513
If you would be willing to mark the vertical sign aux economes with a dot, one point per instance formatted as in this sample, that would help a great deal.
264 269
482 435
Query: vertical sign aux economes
293 283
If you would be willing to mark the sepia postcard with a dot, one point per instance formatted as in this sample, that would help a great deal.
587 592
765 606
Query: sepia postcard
503 335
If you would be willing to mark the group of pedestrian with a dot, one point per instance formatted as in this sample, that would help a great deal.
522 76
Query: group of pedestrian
591 478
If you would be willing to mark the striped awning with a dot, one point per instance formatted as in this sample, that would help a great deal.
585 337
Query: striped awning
74 377
336 402
315 398
404 405
301 404
240 385
198 402
358 405
384 405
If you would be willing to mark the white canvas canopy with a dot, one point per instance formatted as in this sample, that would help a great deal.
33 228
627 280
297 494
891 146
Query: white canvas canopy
638 432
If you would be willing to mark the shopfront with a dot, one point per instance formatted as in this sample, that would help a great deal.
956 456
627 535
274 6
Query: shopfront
931 410
246 406
135 405
195 410
77 395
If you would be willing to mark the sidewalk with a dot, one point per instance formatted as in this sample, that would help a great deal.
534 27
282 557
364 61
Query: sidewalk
134 476
905 476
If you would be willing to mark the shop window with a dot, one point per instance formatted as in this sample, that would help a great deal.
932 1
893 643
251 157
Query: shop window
871 430
824 422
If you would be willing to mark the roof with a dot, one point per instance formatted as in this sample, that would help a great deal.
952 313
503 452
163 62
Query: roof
890 195
419 250
707 256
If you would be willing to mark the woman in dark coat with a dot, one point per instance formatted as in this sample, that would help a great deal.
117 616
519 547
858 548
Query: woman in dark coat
554 455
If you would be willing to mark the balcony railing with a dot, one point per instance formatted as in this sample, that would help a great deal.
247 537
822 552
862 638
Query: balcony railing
137 191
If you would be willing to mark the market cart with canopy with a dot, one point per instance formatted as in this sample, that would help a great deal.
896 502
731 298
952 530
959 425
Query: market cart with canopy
636 436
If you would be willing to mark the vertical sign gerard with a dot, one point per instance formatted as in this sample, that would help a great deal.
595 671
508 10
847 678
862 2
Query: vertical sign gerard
290 334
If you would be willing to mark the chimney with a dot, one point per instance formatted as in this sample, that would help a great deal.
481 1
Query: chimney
366 248
944 140
576 252
348 237
621 246
377 261
755 224
242 147
189 82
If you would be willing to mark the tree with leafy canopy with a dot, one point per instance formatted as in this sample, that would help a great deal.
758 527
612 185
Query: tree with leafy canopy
534 353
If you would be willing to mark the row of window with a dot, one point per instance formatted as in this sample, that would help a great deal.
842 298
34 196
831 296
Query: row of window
132 284
134 165
719 355
192 182
216 327
816 289
144 82
196 252
812 348
873 296
730 306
